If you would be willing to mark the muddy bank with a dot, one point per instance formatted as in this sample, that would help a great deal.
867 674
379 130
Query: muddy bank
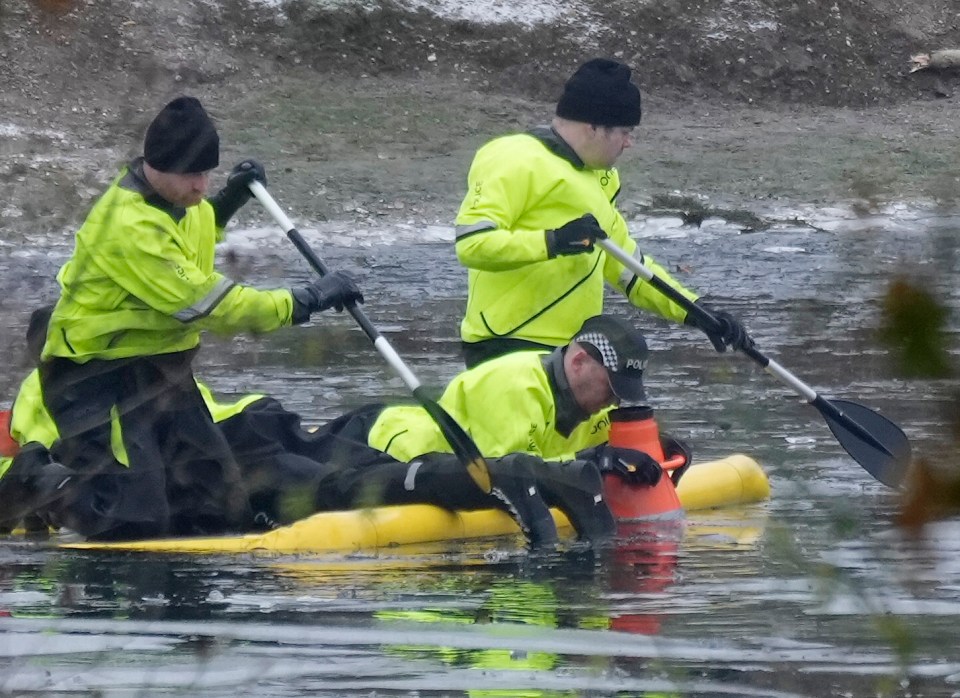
372 115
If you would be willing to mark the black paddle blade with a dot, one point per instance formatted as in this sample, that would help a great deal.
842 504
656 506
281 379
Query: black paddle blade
888 466
463 446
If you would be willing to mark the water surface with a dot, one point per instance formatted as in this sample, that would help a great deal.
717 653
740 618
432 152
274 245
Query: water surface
814 593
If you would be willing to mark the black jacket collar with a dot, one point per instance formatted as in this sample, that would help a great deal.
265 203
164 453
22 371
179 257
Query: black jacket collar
556 145
136 180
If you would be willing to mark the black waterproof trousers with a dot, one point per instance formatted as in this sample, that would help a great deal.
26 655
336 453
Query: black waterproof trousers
523 485
182 478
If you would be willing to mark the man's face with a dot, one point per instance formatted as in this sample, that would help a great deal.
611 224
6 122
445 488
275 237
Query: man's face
589 381
181 189
605 144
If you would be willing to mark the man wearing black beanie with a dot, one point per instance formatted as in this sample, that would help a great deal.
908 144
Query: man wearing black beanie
182 139
536 203
137 292
600 93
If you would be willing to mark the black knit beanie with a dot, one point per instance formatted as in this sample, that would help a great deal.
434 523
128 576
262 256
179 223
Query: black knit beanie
182 139
600 93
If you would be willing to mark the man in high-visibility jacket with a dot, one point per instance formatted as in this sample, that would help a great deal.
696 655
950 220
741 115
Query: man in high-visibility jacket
552 404
549 405
536 203
135 295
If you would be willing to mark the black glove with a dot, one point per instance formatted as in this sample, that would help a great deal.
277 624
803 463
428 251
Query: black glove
727 332
636 467
243 173
236 193
335 290
574 237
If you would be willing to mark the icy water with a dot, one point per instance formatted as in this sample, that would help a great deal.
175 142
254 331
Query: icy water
813 593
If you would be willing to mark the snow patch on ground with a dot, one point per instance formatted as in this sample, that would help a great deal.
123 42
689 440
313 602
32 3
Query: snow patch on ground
730 21
527 12
497 11
9 130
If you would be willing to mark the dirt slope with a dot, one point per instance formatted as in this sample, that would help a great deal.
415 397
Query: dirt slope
371 110
842 53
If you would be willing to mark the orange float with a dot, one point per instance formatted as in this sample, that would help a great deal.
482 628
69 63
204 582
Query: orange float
635 427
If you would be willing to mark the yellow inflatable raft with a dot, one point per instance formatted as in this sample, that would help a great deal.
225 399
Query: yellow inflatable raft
731 481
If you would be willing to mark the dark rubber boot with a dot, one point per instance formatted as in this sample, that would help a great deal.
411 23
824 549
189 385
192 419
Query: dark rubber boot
33 481
576 488
514 485
441 479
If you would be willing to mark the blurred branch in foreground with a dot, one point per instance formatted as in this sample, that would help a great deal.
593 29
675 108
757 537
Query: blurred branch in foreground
913 326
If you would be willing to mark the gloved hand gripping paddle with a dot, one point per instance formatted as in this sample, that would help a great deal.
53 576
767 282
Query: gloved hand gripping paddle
875 442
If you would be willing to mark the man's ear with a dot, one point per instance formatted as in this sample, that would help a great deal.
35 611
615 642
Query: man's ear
579 357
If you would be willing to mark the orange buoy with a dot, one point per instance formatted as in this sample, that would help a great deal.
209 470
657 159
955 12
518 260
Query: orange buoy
635 427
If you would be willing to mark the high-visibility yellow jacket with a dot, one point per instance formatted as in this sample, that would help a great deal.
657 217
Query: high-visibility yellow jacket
141 281
520 186
518 402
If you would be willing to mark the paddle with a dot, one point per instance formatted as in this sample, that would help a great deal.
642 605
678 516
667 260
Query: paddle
875 442
461 443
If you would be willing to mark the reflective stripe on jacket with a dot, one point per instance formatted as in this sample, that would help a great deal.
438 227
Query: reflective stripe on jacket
520 186
141 281
506 405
